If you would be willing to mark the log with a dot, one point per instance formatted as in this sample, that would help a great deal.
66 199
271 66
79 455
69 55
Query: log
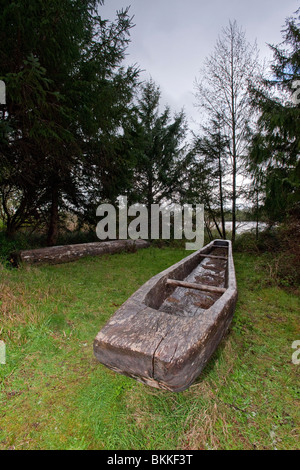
66 253
192 285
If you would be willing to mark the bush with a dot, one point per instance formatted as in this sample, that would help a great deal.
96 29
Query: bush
283 244
77 236
289 266
246 242
8 245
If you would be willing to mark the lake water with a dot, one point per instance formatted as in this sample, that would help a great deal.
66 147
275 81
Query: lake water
242 227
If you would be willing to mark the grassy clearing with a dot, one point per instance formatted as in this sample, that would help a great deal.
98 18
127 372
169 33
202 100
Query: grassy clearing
55 395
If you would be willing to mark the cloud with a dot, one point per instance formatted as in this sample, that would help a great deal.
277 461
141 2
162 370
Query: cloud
172 38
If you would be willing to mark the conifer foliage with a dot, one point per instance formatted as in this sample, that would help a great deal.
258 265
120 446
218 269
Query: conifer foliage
67 93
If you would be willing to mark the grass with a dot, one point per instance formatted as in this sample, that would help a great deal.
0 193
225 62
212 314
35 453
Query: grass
55 395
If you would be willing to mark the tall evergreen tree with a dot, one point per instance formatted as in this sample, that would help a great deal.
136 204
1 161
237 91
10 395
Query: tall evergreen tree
66 95
210 152
275 148
157 141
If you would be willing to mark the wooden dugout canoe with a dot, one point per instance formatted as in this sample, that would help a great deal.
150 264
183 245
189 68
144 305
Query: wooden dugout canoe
166 332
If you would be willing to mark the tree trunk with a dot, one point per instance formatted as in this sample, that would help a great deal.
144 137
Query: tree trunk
217 226
221 193
234 156
210 236
54 218
149 203
257 216
234 201
10 231
66 253
215 221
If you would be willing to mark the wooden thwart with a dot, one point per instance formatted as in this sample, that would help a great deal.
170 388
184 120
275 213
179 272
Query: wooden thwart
213 256
192 285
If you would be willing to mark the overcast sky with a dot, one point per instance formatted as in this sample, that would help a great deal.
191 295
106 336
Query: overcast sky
171 38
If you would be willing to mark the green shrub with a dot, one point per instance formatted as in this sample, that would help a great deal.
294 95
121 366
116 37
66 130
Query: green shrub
282 243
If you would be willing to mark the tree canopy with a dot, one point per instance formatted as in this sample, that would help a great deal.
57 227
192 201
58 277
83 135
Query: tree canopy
78 128
157 142
67 93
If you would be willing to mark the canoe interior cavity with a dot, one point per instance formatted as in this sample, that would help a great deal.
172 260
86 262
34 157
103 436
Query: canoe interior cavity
207 268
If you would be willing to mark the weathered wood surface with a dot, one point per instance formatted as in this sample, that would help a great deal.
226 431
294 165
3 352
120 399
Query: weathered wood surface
67 253
164 335
193 285
213 256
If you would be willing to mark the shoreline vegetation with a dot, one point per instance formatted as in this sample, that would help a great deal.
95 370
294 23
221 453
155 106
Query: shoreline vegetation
280 241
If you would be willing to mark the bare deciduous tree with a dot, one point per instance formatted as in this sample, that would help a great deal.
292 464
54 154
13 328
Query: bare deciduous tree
222 93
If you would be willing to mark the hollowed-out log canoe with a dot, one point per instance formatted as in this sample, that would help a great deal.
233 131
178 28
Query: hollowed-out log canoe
167 331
